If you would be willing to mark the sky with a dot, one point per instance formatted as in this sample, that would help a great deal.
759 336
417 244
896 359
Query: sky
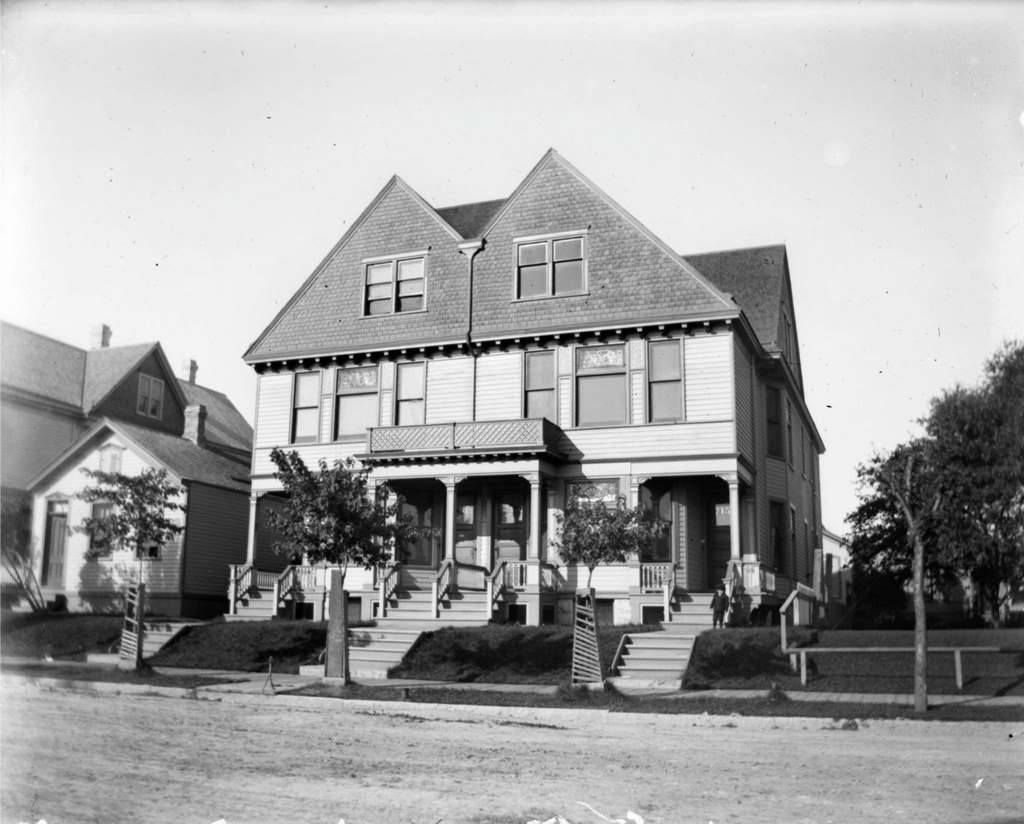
176 170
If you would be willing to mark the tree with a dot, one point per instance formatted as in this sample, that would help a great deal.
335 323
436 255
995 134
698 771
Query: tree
594 534
15 545
138 515
328 517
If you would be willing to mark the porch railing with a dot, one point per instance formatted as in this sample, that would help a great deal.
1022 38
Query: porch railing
653 577
387 583
516 574
469 576
443 585
494 587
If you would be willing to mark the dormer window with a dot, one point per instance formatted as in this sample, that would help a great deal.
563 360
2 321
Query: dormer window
151 397
550 266
395 284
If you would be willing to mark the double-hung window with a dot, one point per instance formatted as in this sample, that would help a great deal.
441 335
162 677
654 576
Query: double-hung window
601 396
773 399
546 267
789 432
395 285
97 534
151 397
665 381
355 408
409 395
540 385
306 407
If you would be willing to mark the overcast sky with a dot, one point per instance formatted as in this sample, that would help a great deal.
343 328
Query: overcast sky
176 170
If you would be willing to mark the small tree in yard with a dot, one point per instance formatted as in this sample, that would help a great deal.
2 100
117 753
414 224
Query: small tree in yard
329 518
594 533
139 515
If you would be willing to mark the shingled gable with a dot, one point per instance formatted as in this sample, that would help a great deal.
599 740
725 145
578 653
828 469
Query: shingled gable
107 369
398 220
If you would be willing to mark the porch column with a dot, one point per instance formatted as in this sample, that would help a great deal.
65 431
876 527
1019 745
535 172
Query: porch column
449 517
250 541
533 545
734 519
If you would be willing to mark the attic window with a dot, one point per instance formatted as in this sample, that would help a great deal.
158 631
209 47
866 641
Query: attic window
548 266
396 284
151 397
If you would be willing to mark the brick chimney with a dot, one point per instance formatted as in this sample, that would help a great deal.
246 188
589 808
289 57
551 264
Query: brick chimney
195 424
101 337
193 367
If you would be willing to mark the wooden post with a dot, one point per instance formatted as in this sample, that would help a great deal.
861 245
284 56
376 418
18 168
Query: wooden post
232 589
336 665
803 667
958 662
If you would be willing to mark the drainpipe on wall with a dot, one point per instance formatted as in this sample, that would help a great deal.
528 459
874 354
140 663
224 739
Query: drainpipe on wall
469 248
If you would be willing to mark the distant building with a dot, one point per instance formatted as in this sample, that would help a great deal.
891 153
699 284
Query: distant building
120 409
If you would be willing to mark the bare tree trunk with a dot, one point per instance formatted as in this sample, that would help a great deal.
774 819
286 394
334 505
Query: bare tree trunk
336 665
920 630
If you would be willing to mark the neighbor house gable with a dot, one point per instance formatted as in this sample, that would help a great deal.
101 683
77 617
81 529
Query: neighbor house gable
630 275
328 314
128 377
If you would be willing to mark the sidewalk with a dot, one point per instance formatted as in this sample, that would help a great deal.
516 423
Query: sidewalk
259 683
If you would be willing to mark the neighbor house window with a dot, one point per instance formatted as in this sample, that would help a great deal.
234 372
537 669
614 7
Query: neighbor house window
540 385
98 538
150 552
601 386
789 432
665 381
777 545
355 409
151 397
306 407
593 492
395 285
110 458
773 397
410 394
546 267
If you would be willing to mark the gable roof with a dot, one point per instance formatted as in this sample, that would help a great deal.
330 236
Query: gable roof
40 365
755 277
469 219
179 456
224 423
106 368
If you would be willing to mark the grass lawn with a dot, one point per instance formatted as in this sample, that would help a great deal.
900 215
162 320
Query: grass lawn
146 677
58 635
752 659
502 654
612 701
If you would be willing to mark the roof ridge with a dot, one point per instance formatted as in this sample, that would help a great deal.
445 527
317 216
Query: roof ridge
736 249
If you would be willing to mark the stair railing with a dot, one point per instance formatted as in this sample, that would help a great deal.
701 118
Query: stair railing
494 586
284 585
443 585
387 583
239 584
619 650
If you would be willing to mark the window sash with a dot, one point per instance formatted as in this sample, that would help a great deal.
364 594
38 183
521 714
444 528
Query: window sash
97 536
355 413
395 286
150 397
773 414
306 407
601 400
550 267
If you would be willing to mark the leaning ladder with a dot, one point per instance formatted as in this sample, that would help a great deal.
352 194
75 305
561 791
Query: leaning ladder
586 655
130 656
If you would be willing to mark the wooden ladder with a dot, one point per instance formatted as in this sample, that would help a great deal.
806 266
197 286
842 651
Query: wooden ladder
586 655
130 655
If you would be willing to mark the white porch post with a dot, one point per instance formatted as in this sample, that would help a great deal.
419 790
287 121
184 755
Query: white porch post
533 545
449 517
734 519
250 545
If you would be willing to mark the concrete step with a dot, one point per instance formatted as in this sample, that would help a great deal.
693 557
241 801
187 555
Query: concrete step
656 656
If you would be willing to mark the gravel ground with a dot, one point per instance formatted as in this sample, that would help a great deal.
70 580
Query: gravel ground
76 757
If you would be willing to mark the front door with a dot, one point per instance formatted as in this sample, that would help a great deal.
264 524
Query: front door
465 528
657 500
509 525
718 540
54 543
422 551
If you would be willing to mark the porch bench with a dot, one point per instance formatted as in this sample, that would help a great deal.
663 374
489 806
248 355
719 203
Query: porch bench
957 651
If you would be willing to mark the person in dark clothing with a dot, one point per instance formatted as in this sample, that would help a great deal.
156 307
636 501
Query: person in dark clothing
719 605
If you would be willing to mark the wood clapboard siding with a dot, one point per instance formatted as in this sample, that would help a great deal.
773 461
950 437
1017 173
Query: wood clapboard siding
310 453
217 527
31 439
744 402
708 377
565 402
654 441
273 410
499 378
449 390
327 383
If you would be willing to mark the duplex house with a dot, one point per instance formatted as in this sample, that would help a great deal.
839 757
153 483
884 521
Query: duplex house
488 362
121 409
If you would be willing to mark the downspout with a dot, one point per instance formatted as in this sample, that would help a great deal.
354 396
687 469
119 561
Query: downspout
469 248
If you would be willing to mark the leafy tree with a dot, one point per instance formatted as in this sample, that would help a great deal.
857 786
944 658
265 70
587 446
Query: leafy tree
15 554
140 514
594 534
328 516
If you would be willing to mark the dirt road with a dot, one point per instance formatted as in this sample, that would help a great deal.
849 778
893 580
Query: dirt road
103 758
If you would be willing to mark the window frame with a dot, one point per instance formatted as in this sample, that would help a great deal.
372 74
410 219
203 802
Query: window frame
582 373
789 433
549 240
358 391
529 390
145 397
296 408
421 398
652 381
394 262
98 539
774 425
